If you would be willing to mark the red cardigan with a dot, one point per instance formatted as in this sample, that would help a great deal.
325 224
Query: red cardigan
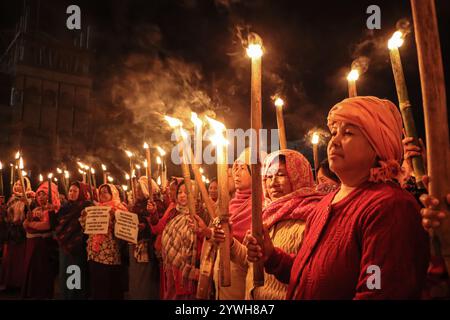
376 224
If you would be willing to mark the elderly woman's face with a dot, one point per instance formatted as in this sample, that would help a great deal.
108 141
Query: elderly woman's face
242 177
349 151
104 195
42 198
277 181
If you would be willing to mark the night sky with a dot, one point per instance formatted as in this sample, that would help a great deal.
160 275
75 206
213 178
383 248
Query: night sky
166 56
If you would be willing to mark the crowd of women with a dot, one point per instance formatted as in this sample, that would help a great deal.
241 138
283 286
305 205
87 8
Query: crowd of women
324 236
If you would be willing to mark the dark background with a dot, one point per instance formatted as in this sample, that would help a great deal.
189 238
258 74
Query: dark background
170 57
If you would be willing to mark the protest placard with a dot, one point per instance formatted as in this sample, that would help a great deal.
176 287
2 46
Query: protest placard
126 227
97 220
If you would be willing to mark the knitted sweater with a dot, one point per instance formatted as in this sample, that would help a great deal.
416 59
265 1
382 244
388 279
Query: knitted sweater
285 234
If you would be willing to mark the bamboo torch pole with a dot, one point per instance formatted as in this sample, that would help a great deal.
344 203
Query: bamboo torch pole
255 52
224 198
279 103
315 143
405 106
148 170
181 137
435 110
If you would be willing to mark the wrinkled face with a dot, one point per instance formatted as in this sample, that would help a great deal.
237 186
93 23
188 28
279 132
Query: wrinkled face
42 198
74 192
277 181
322 178
212 190
182 196
349 151
104 194
242 177
17 188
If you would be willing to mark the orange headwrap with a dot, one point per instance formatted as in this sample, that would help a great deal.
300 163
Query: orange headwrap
381 123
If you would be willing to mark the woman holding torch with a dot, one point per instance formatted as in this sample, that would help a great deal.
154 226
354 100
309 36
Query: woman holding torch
290 197
143 272
72 240
40 267
369 229
11 277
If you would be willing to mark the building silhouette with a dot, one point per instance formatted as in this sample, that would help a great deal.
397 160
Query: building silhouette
45 88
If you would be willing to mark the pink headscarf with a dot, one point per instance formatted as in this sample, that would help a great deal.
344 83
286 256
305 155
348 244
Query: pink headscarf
54 190
240 207
303 198
297 166
381 123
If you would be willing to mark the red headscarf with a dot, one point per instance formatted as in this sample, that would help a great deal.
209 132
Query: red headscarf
381 123
54 190
303 198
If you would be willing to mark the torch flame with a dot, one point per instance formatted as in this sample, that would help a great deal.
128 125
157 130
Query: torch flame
92 170
127 176
125 188
315 138
41 178
145 145
58 170
216 125
158 181
129 153
21 163
161 151
145 163
158 160
110 179
24 173
201 170
279 102
66 174
55 179
196 120
81 171
17 155
203 178
183 133
219 127
207 181
103 167
254 51
1 165
80 164
353 75
138 167
396 40
50 175
173 122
